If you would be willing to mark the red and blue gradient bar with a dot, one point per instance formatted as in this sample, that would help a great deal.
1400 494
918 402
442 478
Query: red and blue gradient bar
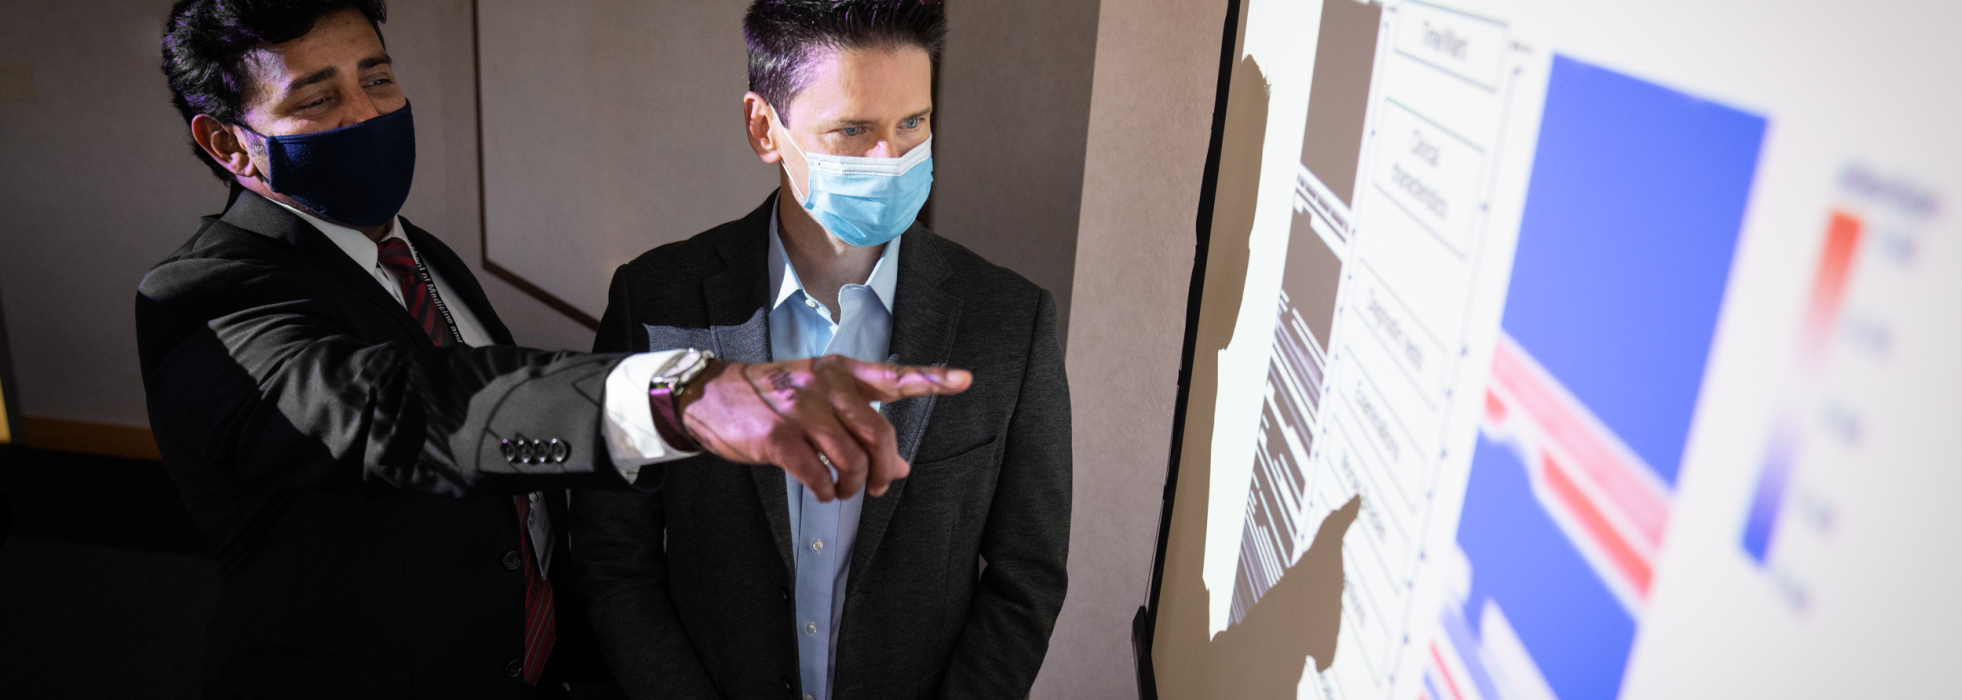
1763 523
1828 294
1829 287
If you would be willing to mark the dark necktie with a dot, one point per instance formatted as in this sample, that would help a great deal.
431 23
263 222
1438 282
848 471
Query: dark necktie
420 298
417 294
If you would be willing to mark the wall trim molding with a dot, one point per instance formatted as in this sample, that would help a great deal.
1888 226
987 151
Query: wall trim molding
126 441
483 223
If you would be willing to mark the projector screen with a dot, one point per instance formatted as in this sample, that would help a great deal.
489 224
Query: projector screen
1581 350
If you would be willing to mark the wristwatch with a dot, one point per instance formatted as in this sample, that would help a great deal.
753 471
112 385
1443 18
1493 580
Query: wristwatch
664 395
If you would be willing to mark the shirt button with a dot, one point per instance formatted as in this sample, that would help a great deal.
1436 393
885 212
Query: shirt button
817 545
807 697
811 303
810 628
512 560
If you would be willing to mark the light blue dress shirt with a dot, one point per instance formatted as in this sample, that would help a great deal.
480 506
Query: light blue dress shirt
823 533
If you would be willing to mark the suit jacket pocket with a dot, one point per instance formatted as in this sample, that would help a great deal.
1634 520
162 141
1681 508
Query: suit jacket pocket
290 674
979 455
950 485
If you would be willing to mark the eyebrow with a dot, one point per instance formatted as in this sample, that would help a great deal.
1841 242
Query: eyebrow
319 76
328 73
870 122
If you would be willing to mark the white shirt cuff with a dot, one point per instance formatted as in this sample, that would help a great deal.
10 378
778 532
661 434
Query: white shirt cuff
631 439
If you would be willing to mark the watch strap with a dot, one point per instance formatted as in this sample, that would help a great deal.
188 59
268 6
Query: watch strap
667 418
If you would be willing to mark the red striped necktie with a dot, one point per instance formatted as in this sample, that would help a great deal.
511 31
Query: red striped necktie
395 256
420 298
540 621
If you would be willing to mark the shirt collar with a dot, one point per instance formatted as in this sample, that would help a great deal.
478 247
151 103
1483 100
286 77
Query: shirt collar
783 276
354 243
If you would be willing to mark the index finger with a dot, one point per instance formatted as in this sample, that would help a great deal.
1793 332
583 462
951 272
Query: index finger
880 442
889 382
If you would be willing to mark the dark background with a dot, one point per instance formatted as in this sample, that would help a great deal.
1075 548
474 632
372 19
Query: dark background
105 584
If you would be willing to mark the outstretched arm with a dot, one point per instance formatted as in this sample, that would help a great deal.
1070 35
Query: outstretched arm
249 374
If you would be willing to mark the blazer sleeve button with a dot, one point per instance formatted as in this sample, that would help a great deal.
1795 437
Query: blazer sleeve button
510 451
514 668
512 560
559 451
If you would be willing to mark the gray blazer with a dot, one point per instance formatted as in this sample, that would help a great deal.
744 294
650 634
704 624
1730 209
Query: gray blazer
691 587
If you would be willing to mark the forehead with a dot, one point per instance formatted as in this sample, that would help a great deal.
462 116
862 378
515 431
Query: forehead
866 81
340 39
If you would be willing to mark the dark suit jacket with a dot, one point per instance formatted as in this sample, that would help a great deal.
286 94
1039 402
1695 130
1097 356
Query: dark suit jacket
710 614
350 474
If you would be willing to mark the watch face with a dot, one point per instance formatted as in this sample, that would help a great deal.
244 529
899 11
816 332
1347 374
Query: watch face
678 364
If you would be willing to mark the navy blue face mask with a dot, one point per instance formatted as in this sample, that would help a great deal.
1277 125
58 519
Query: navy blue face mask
357 175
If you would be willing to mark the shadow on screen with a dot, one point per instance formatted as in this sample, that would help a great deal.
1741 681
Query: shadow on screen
1300 617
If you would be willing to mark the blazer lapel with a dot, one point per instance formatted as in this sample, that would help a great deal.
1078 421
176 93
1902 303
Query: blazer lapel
260 215
924 321
737 300
458 277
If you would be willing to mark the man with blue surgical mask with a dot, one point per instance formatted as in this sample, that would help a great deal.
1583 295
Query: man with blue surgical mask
380 470
743 585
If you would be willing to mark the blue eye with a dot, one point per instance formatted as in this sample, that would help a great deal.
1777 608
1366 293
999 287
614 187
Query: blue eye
910 124
852 130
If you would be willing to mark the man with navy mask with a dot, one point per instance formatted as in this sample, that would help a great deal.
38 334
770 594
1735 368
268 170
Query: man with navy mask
380 470
742 584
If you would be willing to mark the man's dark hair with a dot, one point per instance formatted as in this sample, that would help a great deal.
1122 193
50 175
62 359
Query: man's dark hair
784 35
204 49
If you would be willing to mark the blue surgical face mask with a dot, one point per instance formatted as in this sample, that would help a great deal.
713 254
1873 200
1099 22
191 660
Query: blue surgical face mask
866 201
357 175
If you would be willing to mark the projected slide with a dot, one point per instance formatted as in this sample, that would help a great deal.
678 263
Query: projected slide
1551 351
1638 192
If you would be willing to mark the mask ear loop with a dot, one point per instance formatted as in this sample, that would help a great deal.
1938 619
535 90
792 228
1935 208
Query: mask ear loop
777 121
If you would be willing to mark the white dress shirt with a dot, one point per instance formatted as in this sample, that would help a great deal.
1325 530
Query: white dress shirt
631 440
823 533
367 254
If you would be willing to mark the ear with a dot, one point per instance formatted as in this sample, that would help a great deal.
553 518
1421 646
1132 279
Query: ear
222 143
758 120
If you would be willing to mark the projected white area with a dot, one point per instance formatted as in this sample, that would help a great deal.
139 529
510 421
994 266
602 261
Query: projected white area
1606 342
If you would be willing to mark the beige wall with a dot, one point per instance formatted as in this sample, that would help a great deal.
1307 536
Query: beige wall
610 127
439 72
1150 121
97 186
1009 131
